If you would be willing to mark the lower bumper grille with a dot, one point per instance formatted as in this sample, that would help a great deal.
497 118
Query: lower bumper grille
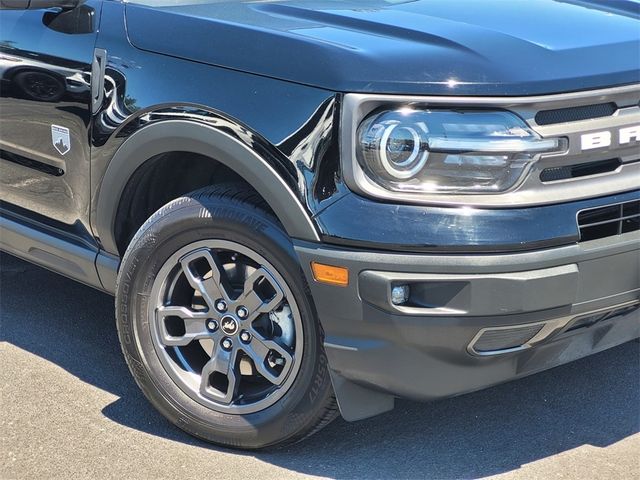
608 221
494 340
514 338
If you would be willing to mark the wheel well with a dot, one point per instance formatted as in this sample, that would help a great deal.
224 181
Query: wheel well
161 179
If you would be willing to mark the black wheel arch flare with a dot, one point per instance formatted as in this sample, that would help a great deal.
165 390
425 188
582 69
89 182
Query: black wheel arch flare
198 138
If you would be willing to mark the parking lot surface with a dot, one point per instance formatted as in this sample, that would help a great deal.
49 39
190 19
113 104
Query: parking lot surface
70 409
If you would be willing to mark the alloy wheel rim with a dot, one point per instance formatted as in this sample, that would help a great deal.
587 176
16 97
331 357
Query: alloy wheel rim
225 326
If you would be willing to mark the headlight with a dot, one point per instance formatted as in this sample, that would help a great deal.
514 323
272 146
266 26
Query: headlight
448 151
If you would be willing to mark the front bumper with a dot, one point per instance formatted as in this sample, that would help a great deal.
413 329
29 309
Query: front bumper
565 302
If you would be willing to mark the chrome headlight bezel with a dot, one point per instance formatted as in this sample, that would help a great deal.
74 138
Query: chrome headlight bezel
357 108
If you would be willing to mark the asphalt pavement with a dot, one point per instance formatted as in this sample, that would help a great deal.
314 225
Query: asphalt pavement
69 409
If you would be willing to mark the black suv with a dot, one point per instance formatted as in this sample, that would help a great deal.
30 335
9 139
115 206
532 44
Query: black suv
312 207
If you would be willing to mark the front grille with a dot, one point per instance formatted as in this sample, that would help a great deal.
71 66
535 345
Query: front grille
554 174
574 114
608 221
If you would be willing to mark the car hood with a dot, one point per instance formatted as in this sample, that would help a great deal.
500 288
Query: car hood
466 47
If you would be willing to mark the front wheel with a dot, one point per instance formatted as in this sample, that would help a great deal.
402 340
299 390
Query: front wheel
217 324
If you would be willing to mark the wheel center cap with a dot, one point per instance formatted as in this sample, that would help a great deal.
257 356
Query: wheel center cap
229 325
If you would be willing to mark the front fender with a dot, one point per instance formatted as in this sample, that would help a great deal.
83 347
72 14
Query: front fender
198 138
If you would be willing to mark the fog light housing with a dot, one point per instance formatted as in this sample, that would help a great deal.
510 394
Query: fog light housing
400 294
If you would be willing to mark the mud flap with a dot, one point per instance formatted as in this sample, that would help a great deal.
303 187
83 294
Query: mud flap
356 402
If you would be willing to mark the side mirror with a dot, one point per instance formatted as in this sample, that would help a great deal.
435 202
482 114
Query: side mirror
72 22
38 4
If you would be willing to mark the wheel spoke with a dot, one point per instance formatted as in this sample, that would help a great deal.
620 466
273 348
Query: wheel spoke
194 325
252 300
223 362
226 326
258 350
212 288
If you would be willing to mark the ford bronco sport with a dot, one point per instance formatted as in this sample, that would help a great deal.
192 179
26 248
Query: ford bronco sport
306 208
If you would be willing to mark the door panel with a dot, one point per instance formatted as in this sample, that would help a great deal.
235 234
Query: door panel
45 110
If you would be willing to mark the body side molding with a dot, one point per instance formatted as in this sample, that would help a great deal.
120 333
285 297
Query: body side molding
49 248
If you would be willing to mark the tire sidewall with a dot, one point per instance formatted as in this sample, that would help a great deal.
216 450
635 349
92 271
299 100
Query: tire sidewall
183 222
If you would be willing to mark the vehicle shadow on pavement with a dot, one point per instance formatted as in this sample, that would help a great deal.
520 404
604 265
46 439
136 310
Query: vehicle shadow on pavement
593 401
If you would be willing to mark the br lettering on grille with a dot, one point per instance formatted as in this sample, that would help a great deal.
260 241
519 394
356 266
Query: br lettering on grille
604 138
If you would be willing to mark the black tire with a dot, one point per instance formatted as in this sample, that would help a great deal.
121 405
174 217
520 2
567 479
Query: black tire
228 213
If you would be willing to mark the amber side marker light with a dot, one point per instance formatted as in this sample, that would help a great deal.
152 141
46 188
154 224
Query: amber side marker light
330 274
